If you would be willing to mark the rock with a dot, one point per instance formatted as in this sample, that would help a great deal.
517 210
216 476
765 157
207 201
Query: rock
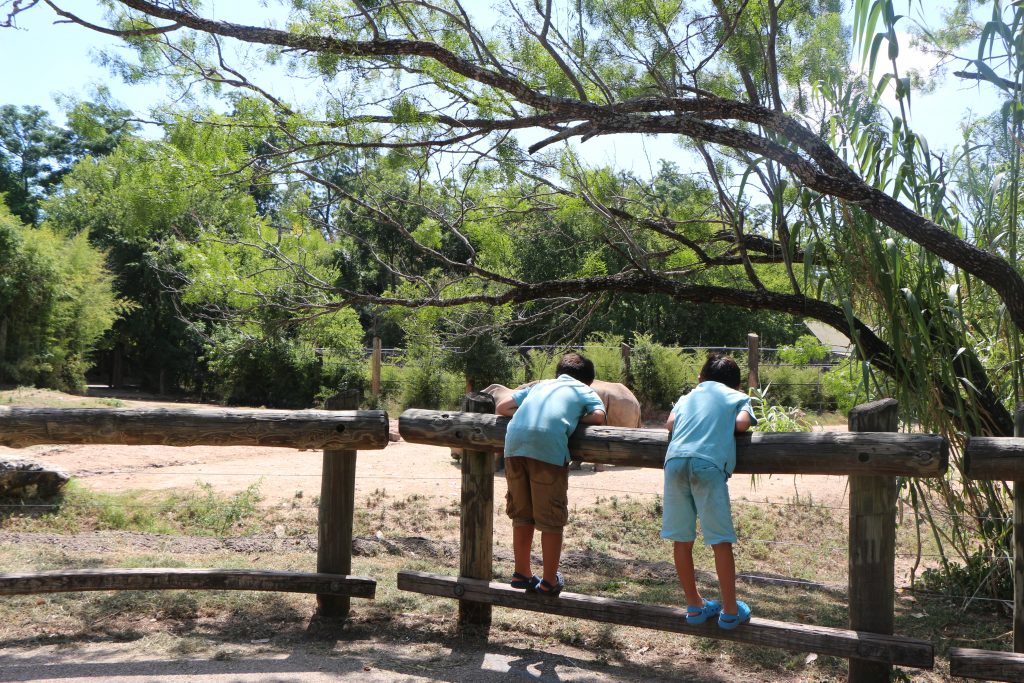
25 479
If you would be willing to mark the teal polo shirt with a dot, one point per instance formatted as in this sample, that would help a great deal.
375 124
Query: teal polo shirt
705 425
548 413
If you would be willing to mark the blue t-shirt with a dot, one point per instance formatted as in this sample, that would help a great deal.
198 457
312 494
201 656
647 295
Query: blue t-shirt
547 415
705 424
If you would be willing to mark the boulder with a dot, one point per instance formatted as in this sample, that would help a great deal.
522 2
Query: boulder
25 479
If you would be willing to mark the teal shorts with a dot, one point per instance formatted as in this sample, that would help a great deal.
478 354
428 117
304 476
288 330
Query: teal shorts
696 488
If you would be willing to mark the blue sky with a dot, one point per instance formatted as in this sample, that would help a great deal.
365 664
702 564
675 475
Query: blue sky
46 59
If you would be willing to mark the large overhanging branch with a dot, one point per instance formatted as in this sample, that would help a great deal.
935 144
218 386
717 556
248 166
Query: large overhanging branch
804 154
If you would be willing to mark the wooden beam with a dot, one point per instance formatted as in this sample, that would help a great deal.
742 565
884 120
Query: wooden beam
805 638
476 523
997 458
310 429
986 664
913 455
1018 543
156 578
336 513
872 544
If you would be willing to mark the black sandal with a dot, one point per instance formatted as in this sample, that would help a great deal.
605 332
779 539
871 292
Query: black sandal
522 582
545 588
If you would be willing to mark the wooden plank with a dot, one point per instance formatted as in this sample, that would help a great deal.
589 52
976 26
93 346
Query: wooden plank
309 429
916 455
997 458
986 665
336 513
157 578
872 544
1018 544
805 638
476 525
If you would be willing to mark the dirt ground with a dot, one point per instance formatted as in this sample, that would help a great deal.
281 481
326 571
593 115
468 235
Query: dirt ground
401 469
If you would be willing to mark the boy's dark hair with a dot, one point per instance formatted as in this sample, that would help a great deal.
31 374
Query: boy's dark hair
721 368
578 367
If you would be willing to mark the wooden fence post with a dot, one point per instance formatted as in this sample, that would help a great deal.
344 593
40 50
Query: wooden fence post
627 364
753 360
375 370
872 550
476 529
336 512
1018 545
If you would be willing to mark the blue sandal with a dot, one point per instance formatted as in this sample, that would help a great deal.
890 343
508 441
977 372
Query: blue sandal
545 588
522 582
731 621
698 614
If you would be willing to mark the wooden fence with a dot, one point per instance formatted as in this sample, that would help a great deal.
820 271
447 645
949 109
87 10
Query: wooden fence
339 434
872 454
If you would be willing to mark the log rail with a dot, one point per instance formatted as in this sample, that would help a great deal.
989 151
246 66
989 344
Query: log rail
836 453
765 632
305 429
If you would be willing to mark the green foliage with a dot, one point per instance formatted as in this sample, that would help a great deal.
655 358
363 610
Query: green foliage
427 384
56 301
773 417
979 574
661 374
798 387
806 349
207 512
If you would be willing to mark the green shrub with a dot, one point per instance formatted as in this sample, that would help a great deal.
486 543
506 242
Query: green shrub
772 417
796 387
846 384
979 575
427 384
661 374
606 351
806 349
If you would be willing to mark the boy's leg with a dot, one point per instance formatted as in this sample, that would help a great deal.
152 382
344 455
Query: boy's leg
519 507
551 553
725 567
549 488
683 555
522 548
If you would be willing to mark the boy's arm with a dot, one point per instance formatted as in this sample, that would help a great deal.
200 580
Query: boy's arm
506 406
670 422
595 418
743 421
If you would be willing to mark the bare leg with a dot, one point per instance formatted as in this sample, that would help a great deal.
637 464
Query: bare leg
725 567
551 553
522 548
683 553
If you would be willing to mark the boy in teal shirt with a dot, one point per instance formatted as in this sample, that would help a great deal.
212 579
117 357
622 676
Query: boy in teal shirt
544 415
701 457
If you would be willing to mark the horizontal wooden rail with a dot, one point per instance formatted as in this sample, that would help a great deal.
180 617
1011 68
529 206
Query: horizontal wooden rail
70 581
805 638
994 457
987 665
312 429
874 453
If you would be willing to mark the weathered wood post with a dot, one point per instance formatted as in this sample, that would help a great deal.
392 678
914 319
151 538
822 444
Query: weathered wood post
476 530
872 551
375 370
337 509
753 360
1018 545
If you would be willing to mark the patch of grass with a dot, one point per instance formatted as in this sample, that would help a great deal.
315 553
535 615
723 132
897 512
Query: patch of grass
202 511
48 398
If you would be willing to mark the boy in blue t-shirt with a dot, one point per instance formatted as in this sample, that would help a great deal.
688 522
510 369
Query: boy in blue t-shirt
701 457
544 415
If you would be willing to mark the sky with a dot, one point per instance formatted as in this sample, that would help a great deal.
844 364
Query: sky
46 59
